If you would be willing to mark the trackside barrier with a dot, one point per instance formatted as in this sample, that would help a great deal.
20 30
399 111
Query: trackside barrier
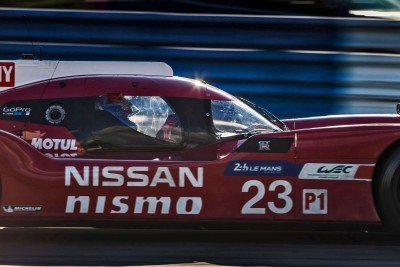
294 66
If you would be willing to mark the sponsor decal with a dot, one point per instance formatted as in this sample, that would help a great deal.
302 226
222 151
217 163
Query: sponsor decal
135 205
55 114
261 168
111 176
7 74
315 201
135 176
328 171
16 111
61 155
266 145
258 203
54 144
9 208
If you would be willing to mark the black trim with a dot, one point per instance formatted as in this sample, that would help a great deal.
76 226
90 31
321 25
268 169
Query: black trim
273 145
210 224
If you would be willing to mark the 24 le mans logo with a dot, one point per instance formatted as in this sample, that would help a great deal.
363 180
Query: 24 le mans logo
7 74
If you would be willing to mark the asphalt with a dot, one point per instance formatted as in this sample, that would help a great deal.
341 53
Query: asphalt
111 247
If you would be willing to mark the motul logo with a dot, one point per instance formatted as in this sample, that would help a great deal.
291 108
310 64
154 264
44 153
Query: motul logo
54 144
7 74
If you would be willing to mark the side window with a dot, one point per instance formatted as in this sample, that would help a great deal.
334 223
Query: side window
149 115
118 105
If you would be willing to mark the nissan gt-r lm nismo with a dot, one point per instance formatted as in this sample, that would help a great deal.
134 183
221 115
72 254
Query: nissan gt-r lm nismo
89 143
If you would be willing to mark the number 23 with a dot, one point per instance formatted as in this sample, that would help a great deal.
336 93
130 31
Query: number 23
248 207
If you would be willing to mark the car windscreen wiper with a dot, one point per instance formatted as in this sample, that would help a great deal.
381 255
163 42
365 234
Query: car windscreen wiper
268 115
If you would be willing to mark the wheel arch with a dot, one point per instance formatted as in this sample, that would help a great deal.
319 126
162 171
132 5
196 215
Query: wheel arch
1 189
380 163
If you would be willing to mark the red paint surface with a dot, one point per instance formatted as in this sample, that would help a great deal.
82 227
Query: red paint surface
30 178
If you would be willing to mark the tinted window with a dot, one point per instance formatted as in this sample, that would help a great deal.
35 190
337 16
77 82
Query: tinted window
148 115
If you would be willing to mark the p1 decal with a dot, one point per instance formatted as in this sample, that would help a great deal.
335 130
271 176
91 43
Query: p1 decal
7 74
315 201
329 171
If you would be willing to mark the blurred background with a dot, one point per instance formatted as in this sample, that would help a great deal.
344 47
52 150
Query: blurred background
296 58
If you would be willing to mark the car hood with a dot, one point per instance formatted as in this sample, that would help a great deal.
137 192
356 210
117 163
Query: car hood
339 120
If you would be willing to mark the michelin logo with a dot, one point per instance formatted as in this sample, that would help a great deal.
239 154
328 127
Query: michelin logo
10 209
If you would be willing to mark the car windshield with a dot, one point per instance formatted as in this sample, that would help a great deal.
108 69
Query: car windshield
232 117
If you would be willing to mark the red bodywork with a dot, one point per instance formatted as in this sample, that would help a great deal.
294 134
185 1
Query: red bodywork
325 173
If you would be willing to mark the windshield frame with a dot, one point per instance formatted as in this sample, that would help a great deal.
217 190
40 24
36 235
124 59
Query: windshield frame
268 125
265 113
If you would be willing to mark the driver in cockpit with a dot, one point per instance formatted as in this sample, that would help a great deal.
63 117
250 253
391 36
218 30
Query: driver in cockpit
119 106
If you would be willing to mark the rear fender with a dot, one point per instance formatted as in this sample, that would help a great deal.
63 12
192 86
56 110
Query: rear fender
20 166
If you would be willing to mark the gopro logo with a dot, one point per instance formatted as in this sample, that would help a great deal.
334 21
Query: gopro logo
7 74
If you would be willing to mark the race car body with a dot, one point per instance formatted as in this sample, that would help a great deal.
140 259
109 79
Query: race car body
92 143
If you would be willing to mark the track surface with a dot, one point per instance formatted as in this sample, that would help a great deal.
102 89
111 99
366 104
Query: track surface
66 246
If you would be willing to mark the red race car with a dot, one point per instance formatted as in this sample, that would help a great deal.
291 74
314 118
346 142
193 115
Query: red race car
107 143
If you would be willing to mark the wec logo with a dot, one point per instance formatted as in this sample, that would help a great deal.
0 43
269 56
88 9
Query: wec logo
328 171
336 169
7 74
